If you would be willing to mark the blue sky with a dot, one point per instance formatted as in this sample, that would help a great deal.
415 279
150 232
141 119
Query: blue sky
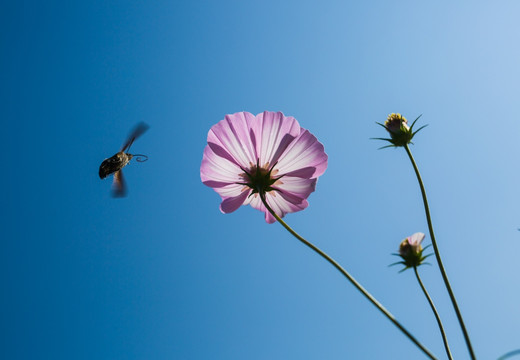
162 274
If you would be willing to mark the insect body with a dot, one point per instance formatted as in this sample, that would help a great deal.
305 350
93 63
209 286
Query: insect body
115 164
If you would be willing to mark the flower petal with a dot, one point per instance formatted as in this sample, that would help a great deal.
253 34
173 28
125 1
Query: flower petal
218 169
278 202
305 152
230 139
416 238
282 206
295 186
230 204
273 132
231 190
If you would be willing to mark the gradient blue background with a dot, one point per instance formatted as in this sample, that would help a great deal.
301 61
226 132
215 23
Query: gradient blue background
162 274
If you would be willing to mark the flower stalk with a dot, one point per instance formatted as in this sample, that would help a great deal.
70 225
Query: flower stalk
437 254
437 317
349 278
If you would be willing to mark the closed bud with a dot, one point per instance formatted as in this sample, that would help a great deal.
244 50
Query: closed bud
396 124
401 134
411 251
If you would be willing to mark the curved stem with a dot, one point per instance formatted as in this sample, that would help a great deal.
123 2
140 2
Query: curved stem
509 354
438 257
350 278
441 328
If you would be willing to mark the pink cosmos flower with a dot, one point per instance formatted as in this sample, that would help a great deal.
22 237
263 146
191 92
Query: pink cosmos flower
268 153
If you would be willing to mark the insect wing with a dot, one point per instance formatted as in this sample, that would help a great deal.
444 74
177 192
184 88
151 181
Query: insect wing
118 186
136 132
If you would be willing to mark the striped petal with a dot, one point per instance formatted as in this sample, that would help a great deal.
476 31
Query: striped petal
296 187
230 204
230 139
304 153
216 169
280 205
273 133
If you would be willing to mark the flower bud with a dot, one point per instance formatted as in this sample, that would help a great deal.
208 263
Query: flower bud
411 251
396 123
400 132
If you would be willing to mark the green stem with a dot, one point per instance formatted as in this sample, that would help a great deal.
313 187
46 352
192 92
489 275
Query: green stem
350 278
437 255
441 328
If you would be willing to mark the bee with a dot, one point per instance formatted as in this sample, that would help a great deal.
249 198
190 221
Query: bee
115 164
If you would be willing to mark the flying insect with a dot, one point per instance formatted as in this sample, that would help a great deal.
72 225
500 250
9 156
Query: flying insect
115 164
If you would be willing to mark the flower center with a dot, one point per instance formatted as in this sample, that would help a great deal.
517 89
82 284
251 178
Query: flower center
259 178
